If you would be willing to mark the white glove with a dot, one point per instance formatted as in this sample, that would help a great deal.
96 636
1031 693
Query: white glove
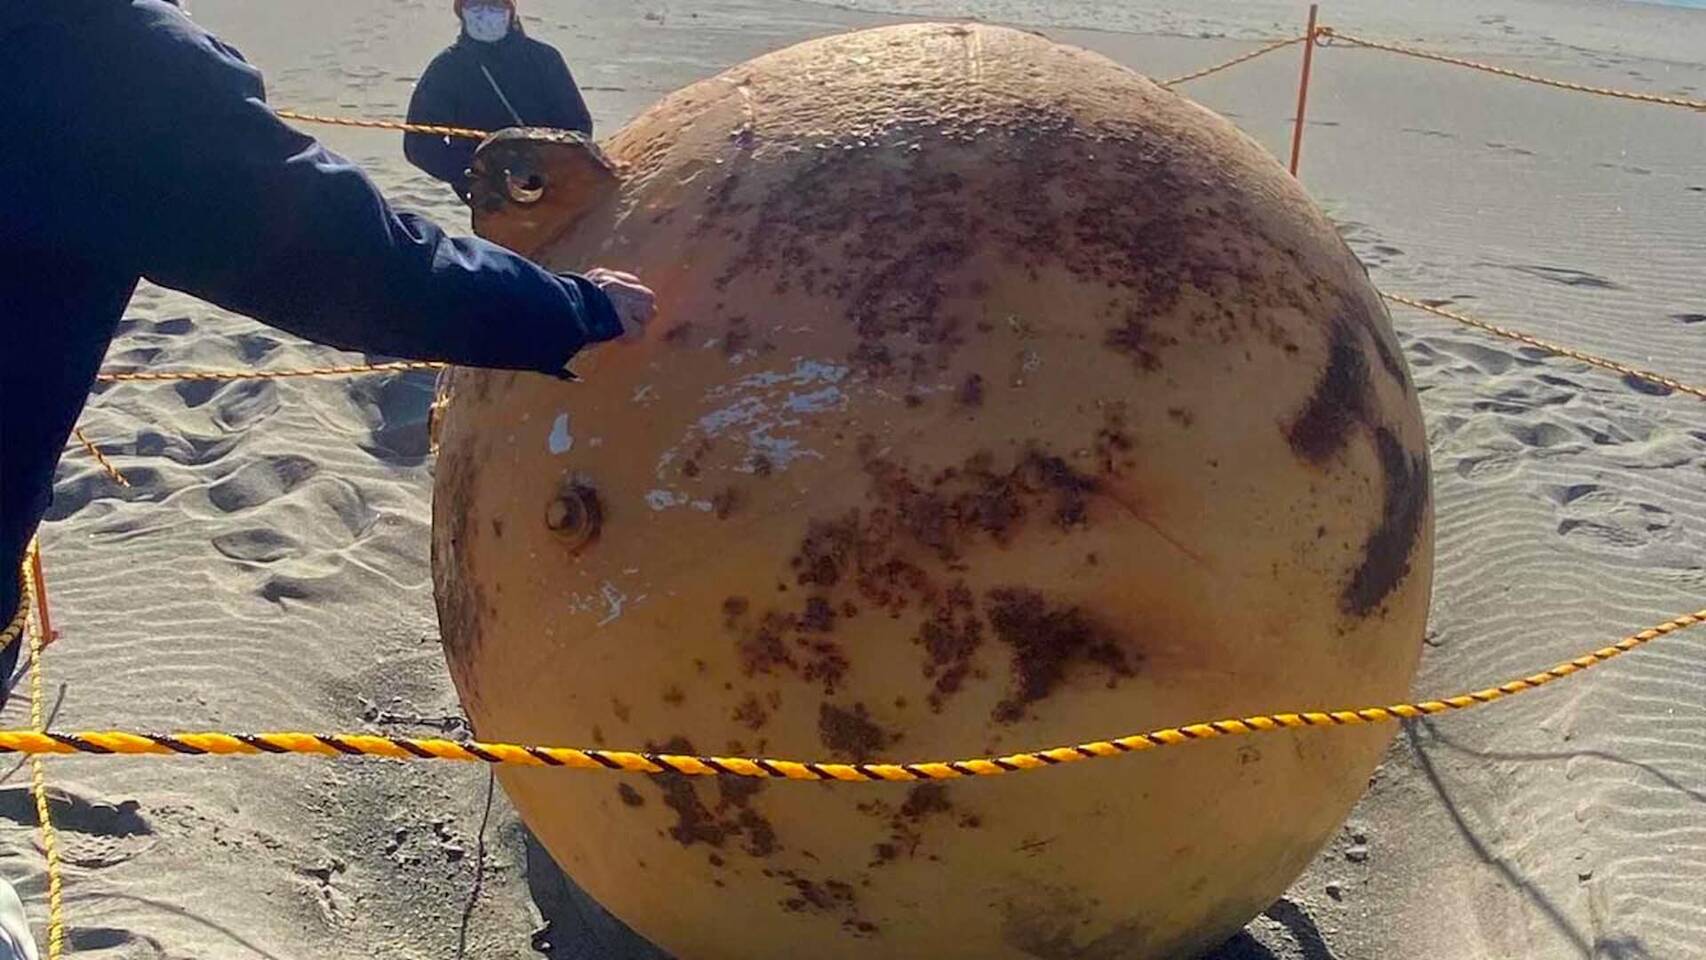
635 303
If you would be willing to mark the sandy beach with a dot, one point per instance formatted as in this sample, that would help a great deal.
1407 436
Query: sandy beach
267 568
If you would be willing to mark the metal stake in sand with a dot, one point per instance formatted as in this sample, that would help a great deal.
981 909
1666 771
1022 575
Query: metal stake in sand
1303 88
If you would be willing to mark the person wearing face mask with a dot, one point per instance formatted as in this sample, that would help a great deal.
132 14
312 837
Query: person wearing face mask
151 153
494 76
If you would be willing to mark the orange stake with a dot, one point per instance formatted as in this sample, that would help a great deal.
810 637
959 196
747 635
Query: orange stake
42 616
1303 90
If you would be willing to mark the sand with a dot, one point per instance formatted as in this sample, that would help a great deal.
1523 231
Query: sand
268 567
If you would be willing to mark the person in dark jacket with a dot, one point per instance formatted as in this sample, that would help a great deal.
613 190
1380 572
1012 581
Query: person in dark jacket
494 76
143 147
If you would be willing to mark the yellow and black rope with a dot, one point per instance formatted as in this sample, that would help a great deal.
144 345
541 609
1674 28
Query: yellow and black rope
20 619
38 772
405 748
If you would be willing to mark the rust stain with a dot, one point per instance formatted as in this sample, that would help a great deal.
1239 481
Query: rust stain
852 732
1048 642
731 816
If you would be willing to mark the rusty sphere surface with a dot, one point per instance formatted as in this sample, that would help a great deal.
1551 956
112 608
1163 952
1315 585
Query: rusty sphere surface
999 399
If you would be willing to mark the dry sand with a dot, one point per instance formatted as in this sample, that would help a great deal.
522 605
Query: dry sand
268 567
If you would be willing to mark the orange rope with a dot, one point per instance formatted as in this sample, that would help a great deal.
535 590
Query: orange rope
427 128
124 376
1235 61
1562 351
100 458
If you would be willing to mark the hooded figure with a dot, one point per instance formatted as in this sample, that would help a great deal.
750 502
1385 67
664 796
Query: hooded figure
493 76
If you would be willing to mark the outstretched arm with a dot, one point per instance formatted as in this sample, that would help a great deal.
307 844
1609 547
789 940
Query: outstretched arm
254 216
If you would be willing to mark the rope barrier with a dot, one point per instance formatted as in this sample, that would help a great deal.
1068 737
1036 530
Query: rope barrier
38 773
20 620
1235 61
1562 351
110 743
1332 34
39 742
1328 33
133 376
100 458
432 129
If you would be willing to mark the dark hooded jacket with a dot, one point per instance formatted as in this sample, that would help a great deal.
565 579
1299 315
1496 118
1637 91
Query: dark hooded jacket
461 88
143 147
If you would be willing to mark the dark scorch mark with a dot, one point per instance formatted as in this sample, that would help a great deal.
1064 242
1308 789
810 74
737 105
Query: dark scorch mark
1342 399
1387 554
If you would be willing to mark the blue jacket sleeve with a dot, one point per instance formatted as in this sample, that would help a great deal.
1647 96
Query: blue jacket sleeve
441 158
259 218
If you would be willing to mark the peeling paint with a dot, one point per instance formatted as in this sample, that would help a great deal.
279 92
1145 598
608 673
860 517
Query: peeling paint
778 450
829 398
759 409
805 373
560 441
664 499
614 599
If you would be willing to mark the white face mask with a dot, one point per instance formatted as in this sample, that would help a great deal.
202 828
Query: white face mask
486 24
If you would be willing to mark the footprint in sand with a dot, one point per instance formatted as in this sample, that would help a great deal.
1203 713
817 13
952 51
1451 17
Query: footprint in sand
1561 275
260 481
322 518
1562 382
1599 519
194 393
254 347
1486 467
1542 435
244 403
241 403
257 545
172 327
185 449
72 495
1611 433
1486 360
1508 148
134 357
395 408
128 944
1649 387
92 834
